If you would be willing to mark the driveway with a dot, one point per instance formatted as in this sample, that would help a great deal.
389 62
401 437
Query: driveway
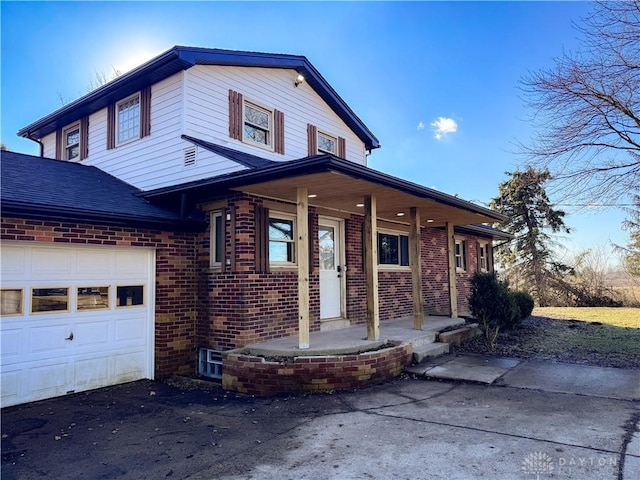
407 429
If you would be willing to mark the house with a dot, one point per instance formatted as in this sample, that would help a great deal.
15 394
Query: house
207 200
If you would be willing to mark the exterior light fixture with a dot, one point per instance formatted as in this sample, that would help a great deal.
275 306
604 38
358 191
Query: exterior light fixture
312 195
299 80
430 220
360 205
400 214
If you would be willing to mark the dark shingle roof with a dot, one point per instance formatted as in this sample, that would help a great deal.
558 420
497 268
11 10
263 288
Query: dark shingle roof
37 187
246 159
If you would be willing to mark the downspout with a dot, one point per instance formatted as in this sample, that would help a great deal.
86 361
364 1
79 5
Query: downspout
183 206
38 142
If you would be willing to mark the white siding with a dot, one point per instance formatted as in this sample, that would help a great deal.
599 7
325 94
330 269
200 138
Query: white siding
49 143
207 108
196 102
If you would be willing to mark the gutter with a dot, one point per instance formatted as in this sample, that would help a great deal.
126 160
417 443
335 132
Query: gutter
29 137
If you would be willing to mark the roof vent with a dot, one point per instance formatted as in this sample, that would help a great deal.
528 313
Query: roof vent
189 156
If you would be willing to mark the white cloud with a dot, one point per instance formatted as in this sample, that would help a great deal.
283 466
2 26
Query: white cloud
442 126
420 125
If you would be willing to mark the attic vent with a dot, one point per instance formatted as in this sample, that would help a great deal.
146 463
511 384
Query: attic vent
189 156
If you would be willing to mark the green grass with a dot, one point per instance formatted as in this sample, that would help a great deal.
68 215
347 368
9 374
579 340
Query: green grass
618 317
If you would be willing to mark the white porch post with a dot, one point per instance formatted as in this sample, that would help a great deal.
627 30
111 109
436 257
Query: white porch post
371 267
302 257
415 259
451 257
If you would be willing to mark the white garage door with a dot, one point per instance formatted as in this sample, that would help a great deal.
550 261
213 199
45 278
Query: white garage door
74 319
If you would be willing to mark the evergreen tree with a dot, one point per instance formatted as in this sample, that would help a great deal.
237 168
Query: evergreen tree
529 261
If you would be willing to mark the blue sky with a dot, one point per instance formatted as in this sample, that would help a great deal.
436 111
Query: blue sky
404 68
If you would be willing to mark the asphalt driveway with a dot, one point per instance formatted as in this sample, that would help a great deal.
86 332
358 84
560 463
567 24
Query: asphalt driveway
407 429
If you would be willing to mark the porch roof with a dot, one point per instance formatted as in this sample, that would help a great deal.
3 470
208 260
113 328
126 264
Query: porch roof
338 185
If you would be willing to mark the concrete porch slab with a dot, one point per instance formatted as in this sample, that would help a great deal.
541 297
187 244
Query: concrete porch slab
353 339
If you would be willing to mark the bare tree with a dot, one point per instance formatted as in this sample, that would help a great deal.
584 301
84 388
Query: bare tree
587 109
98 79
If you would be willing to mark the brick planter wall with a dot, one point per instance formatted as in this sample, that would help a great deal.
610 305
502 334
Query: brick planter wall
256 376
175 295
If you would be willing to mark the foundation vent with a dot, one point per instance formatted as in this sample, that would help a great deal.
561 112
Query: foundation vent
210 363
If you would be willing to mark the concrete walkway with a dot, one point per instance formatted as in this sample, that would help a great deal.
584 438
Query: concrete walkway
603 382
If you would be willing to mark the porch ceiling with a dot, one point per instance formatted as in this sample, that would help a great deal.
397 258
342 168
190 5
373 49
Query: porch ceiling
340 192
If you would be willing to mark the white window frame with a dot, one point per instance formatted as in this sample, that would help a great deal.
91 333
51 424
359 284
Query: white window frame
330 137
269 136
133 136
65 146
274 215
483 253
459 257
392 266
213 243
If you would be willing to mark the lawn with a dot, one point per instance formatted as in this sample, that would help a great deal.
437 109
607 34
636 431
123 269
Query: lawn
594 336
618 317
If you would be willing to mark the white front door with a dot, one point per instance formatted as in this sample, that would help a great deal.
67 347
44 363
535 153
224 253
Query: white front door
330 240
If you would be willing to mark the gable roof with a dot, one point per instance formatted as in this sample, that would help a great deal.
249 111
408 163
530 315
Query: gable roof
246 159
181 58
35 187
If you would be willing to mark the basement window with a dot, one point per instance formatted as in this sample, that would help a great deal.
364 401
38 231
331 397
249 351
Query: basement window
210 363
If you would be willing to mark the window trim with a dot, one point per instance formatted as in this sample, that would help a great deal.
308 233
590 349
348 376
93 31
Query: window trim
117 120
213 263
319 134
463 260
278 215
391 266
270 131
69 290
65 147
483 246
17 313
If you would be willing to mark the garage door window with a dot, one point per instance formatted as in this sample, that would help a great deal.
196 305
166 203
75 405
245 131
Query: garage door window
49 300
130 295
11 302
93 298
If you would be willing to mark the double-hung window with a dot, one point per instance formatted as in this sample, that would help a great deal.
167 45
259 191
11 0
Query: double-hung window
393 249
128 119
460 252
258 124
483 251
281 239
217 239
71 138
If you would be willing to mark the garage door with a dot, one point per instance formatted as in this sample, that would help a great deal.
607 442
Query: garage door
74 319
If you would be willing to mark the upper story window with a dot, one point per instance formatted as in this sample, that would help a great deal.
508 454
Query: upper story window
255 124
258 124
281 239
327 144
393 249
460 254
128 119
71 138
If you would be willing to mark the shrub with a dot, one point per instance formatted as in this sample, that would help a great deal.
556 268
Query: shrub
492 304
524 302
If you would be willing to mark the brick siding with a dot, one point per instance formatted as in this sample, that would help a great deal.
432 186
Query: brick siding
175 308
257 376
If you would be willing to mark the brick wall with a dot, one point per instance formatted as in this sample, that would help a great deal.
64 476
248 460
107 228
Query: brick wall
175 310
256 376
240 306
